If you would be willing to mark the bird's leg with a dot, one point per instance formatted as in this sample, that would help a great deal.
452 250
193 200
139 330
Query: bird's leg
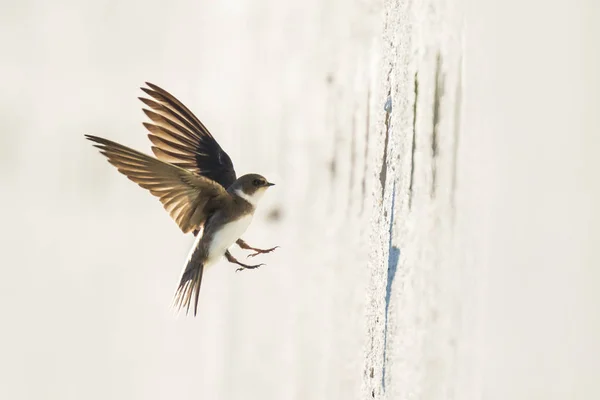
233 260
246 246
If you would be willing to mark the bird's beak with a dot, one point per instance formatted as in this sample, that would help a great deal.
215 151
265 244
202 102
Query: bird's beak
269 184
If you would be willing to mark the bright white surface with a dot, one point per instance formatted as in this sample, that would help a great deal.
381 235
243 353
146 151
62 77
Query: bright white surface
495 298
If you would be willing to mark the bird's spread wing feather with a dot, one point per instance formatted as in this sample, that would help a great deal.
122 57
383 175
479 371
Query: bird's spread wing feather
179 138
189 198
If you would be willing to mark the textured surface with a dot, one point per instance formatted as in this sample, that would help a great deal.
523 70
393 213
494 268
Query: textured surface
436 201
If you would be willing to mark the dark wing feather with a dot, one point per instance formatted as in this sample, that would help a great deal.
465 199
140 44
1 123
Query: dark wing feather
179 138
189 198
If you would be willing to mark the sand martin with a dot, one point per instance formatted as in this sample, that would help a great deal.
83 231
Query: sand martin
195 181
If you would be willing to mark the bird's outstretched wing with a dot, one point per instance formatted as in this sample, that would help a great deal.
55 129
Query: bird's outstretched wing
179 138
189 198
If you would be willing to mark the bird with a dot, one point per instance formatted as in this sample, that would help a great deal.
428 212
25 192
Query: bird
194 179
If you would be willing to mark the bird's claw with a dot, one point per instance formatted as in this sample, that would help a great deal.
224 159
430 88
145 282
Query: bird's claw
249 267
259 251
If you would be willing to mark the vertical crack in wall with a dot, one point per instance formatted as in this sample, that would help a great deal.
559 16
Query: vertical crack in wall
437 96
383 172
414 143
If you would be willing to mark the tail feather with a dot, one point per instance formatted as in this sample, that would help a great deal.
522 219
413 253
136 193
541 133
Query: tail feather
189 286
191 278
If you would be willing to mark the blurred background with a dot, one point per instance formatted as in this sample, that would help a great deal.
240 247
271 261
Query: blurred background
436 200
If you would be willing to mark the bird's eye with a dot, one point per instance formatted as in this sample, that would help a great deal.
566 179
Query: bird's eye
257 182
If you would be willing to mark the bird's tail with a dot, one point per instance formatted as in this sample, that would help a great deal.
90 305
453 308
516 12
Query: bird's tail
189 285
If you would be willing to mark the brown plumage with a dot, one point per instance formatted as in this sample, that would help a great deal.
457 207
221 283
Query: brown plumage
178 137
195 181
187 197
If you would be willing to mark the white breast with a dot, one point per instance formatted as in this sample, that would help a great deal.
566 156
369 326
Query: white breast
226 236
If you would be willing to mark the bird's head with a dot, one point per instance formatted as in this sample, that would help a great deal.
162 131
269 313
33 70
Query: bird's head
250 187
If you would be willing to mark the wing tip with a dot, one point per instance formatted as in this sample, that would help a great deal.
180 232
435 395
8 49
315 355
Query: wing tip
150 103
98 141
154 116
149 92
152 87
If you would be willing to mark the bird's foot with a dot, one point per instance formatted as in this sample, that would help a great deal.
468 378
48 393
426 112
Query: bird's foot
233 260
244 266
260 251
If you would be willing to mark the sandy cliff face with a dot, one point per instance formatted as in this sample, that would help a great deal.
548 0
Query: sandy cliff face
436 201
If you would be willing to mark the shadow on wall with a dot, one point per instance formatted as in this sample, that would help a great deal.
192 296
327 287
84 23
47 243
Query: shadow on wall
393 258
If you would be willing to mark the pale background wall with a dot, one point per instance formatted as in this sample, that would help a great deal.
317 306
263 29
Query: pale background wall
445 250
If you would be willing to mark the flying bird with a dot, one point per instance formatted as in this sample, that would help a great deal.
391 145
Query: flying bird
195 181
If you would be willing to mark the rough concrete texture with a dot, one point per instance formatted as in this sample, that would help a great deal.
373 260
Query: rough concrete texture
436 201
